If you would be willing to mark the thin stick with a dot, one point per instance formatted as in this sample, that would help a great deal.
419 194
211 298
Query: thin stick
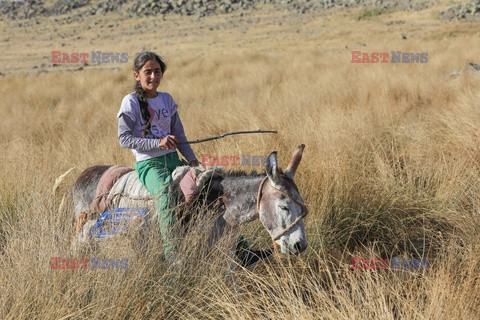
228 134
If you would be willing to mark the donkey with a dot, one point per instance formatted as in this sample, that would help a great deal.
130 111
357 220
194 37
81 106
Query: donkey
272 197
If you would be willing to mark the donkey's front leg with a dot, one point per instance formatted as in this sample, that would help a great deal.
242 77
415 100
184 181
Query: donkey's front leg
219 228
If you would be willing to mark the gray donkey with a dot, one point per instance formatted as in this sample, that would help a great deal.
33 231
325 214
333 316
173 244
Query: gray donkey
243 197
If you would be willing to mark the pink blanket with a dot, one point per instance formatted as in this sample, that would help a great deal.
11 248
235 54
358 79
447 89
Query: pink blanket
107 180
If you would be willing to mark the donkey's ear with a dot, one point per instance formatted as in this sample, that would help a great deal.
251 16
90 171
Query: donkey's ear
273 172
294 162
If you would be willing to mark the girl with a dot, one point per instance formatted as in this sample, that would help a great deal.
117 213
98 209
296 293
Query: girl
149 125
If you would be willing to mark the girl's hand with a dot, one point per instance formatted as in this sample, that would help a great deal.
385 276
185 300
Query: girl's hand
193 163
169 142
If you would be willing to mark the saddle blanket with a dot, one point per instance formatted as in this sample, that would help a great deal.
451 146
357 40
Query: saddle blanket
128 201
116 221
128 191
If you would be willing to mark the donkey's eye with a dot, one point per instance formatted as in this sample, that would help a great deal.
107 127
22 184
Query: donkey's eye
285 208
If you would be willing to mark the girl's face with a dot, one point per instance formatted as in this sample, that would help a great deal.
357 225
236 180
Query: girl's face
149 76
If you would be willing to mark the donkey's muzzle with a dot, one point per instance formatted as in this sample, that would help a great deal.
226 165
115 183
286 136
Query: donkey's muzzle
300 246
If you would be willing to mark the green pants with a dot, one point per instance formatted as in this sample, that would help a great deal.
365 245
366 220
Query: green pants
156 175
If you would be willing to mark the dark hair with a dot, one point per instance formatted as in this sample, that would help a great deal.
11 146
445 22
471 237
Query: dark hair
138 64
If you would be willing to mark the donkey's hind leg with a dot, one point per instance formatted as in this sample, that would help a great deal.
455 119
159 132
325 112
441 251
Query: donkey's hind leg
83 194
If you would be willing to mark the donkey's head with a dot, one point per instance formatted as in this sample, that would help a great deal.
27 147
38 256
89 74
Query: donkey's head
280 205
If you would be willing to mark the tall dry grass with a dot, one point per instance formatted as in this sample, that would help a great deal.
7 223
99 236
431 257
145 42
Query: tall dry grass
390 169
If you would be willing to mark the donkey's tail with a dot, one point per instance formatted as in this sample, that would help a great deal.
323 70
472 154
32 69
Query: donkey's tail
56 186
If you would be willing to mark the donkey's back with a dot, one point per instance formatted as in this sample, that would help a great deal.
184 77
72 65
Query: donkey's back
85 188
104 187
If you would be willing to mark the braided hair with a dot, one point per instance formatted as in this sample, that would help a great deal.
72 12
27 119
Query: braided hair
138 64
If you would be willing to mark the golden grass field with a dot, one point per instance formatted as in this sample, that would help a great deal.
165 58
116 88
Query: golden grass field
390 169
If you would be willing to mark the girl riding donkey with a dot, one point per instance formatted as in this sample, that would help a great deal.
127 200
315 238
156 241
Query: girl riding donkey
149 125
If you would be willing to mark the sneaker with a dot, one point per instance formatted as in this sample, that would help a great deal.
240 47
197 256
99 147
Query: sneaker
173 263
249 258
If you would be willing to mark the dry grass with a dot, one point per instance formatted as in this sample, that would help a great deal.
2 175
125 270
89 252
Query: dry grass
390 168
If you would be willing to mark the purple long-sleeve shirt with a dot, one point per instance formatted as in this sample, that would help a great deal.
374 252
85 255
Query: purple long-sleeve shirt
164 120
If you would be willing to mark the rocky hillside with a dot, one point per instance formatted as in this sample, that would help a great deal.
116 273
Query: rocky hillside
467 11
25 9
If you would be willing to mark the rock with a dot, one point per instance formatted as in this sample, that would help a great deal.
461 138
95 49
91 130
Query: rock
472 66
469 67
22 9
395 22
189 7
455 74
27 9
66 6
468 11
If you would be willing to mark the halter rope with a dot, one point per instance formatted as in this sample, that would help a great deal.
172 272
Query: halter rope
290 226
